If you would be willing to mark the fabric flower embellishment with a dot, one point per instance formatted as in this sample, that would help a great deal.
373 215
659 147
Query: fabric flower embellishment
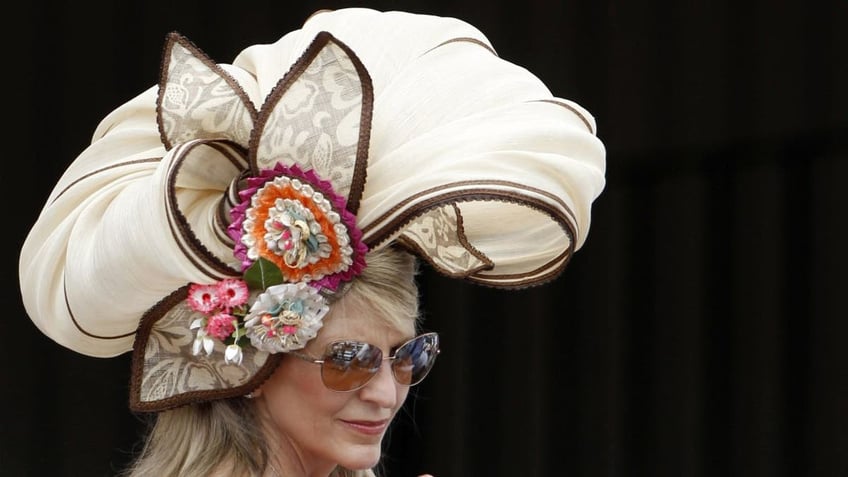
295 220
282 316
285 317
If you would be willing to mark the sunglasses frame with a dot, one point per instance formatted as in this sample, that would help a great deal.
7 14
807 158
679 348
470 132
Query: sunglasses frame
313 360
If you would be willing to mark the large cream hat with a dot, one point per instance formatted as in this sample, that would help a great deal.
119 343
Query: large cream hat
360 130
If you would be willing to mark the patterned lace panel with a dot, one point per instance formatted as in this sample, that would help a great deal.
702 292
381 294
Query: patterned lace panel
169 373
328 93
437 235
198 100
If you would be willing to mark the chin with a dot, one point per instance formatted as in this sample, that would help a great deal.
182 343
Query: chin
361 457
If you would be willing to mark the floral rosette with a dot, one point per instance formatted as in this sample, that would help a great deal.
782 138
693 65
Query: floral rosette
294 237
285 317
294 219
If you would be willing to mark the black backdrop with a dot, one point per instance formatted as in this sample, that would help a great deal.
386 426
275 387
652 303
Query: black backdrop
701 330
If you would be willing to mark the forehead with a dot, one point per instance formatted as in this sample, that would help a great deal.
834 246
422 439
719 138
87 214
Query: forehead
352 320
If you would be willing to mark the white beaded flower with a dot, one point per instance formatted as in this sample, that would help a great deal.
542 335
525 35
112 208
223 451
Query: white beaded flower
285 317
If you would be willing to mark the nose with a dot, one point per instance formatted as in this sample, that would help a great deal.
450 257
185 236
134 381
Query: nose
382 388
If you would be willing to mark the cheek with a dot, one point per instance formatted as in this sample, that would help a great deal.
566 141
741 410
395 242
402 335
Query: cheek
297 403
403 392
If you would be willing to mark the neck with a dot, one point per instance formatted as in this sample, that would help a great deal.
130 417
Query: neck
285 458
278 467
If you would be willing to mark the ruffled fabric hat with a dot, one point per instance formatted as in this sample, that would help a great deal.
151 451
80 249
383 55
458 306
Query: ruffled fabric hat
215 216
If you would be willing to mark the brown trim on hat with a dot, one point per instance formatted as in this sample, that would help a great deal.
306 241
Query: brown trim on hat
193 249
572 109
102 169
76 323
82 178
487 263
465 40
361 164
538 278
321 40
464 192
176 38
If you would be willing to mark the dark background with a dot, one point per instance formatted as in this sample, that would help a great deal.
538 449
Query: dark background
701 331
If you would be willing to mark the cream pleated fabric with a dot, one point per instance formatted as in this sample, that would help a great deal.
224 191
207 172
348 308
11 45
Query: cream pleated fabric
440 146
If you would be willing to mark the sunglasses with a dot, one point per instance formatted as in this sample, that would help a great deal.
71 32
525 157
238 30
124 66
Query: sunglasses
350 365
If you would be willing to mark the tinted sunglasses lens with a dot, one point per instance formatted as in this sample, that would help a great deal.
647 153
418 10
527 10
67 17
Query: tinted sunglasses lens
348 365
415 358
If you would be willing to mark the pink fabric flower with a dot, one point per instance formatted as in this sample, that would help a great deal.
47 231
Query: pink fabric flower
203 298
220 326
232 292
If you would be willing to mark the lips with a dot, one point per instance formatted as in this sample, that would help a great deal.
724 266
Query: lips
369 428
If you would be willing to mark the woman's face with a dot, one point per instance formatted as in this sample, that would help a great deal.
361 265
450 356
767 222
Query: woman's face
320 427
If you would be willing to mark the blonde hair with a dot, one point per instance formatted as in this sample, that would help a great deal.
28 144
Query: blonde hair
225 437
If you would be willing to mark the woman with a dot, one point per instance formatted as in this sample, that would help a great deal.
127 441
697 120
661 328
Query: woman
247 230
295 424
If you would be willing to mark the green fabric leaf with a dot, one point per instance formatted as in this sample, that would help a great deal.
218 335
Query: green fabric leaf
263 274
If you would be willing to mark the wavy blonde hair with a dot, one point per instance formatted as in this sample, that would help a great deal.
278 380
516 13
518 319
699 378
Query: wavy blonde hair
225 437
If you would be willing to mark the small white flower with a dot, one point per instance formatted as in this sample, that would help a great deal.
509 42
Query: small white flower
208 345
202 341
233 354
